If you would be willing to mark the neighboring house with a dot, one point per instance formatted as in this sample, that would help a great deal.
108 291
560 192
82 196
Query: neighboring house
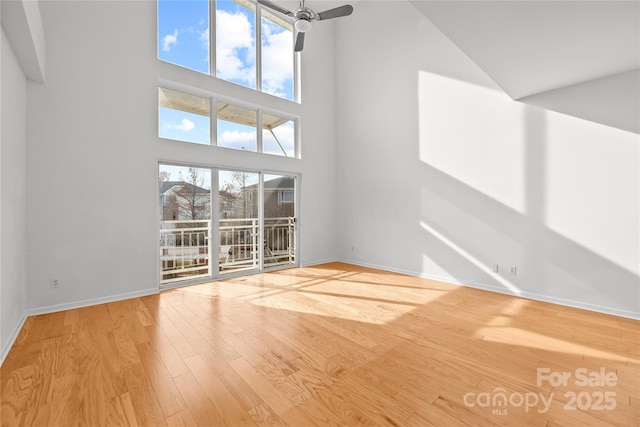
229 204
183 201
279 197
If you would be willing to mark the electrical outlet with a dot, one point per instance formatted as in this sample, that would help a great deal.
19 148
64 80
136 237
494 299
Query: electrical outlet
55 283
512 270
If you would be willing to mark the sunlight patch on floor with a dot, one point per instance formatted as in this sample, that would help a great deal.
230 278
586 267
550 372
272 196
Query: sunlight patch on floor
347 307
517 336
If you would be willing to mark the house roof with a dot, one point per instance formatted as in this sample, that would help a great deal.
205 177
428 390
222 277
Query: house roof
167 185
281 183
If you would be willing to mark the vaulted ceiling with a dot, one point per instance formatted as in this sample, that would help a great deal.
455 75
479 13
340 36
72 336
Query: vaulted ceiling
580 58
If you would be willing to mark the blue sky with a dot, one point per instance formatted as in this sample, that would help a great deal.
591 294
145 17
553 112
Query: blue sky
183 39
183 28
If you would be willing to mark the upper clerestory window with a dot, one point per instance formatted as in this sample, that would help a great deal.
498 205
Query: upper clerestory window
186 117
252 46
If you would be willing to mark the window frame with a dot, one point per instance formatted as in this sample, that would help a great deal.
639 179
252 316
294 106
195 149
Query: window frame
296 73
214 99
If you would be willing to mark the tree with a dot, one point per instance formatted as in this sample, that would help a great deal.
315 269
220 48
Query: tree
240 180
193 199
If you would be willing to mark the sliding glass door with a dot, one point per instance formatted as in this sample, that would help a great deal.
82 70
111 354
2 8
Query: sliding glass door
279 226
185 223
252 219
239 223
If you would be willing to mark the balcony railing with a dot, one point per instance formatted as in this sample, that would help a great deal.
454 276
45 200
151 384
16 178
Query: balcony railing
184 246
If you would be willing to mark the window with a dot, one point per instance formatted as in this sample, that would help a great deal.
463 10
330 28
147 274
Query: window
186 117
277 56
183 33
236 42
237 127
258 57
278 136
285 197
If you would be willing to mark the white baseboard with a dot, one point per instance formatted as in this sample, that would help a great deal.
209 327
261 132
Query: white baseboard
12 339
528 295
317 262
89 302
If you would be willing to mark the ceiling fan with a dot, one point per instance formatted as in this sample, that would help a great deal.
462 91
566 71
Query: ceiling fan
304 16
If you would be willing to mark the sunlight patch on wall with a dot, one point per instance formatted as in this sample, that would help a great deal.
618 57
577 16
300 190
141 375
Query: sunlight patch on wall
593 187
473 134
472 259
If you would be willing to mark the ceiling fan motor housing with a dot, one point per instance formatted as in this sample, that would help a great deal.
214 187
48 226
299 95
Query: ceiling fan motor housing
305 13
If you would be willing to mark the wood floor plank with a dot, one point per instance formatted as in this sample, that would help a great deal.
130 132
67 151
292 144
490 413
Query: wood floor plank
198 402
215 361
326 345
225 402
168 396
143 399
264 416
283 406
65 408
121 411
182 419
16 390
167 351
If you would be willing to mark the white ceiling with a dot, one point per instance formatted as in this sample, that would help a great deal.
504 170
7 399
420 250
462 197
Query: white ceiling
558 55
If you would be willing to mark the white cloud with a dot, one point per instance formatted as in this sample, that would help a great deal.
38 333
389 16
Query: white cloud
185 125
286 136
237 139
277 59
204 38
234 37
169 40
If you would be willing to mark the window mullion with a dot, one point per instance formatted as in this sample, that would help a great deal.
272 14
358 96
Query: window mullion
214 226
297 81
212 38
213 140
261 238
258 47
259 131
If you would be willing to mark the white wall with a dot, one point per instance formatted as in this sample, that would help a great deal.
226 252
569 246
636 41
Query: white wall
442 175
12 196
93 152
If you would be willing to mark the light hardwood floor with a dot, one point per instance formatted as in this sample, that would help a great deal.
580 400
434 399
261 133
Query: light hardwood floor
333 344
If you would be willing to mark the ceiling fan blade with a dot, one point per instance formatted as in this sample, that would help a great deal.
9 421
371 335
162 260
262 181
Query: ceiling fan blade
299 42
336 12
275 7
